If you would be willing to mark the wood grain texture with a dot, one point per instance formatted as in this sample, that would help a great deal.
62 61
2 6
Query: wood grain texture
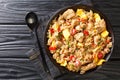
17 69
16 39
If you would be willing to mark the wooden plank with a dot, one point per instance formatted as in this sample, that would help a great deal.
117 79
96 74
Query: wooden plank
15 40
17 68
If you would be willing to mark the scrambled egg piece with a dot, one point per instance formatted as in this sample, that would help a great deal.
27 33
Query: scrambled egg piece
100 62
55 26
94 50
80 44
81 13
104 33
97 17
64 63
66 33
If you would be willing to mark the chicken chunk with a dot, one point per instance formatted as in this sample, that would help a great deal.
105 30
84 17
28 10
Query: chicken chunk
78 28
90 26
101 25
58 43
106 50
96 39
61 20
68 14
88 67
55 55
79 37
74 22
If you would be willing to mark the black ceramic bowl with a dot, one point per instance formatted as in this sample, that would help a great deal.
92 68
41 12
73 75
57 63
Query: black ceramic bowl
75 7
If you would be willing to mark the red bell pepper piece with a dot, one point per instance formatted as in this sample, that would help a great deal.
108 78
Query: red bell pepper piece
51 30
72 57
73 32
100 55
86 33
52 48
107 41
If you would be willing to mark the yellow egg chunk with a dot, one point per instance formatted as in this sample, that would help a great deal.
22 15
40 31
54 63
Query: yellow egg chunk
79 12
84 16
49 35
100 62
104 33
53 44
63 63
55 26
80 44
58 60
95 59
66 33
97 17
94 50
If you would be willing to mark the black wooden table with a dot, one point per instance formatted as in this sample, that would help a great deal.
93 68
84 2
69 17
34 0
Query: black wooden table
16 39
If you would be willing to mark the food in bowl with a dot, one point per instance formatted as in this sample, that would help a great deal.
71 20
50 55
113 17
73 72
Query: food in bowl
79 40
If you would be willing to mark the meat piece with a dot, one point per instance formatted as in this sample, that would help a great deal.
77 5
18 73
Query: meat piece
88 57
58 43
90 26
79 37
90 14
74 22
106 50
61 20
72 49
88 67
61 51
78 54
85 62
68 14
100 26
88 41
109 45
96 39
70 66
55 55
78 28
83 25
